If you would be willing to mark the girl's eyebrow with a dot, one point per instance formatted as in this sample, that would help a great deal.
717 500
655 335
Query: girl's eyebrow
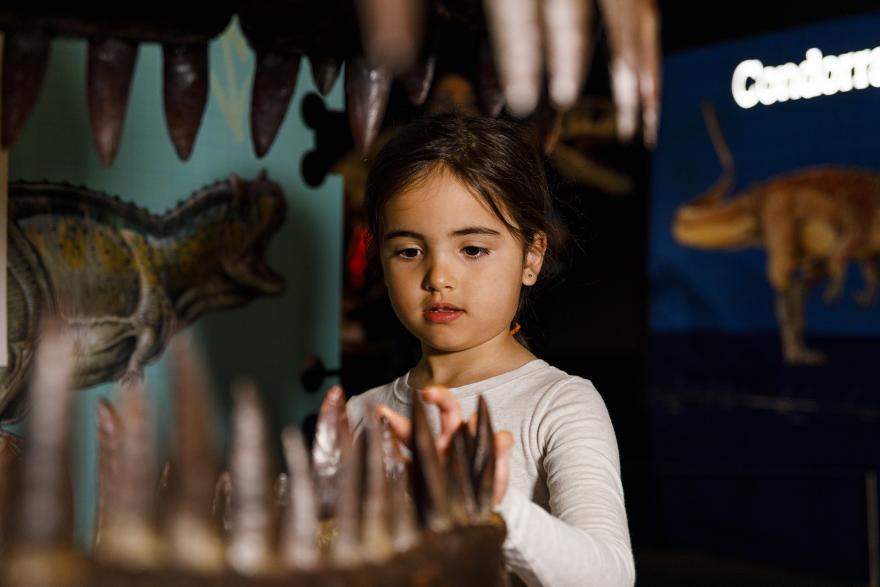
475 230
460 232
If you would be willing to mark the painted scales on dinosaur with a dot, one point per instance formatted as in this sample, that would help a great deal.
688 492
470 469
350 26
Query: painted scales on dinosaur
124 280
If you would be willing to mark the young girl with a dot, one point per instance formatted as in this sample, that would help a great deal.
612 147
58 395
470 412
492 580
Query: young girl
460 218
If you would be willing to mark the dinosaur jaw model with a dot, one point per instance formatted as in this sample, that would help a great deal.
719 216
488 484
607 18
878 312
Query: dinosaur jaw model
190 525
531 41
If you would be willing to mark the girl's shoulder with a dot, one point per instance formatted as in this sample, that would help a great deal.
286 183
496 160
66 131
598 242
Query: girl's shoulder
358 406
545 384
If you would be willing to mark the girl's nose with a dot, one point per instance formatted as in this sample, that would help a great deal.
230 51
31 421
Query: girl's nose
439 276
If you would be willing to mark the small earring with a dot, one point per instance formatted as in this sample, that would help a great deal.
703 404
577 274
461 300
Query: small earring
530 273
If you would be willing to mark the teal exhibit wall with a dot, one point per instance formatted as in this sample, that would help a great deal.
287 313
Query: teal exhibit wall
267 339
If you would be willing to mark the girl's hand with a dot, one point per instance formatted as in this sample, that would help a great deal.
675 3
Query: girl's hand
450 420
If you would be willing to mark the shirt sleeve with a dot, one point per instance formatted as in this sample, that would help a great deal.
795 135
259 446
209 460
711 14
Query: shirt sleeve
584 539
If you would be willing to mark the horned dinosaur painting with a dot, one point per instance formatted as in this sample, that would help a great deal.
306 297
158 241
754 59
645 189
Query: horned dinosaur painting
124 280
811 222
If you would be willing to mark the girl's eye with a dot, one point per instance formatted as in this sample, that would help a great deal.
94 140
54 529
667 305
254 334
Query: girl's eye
409 253
473 251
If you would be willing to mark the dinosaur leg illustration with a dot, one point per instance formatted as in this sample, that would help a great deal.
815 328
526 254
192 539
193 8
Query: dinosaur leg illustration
870 274
856 231
782 262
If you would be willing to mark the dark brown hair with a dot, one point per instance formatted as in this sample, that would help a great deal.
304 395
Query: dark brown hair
492 157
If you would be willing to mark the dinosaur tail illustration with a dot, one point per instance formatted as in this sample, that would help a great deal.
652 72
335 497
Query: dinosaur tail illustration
711 221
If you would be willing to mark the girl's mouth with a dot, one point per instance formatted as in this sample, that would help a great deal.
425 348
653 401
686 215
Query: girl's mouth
442 313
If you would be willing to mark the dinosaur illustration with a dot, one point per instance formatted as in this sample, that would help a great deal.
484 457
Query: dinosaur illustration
124 280
812 223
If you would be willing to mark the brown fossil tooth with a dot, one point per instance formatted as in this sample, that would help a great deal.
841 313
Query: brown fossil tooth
516 43
404 523
418 80
549 127
193 542
392 31
621 18
491 94
649 69
250 547
130 539
325 70
345 549
376 535
109 73
221 507
463 505
40 554
483 460
332 440
274 83
366 96
109 462
428 478
299 528
25 56
566 28
185 93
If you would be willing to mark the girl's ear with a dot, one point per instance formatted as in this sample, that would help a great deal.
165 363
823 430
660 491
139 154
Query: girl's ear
534 258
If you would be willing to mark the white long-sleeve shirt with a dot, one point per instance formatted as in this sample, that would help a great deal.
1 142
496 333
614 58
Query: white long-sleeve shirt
564 510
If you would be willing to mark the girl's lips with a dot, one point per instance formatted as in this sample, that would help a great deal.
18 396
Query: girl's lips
442 315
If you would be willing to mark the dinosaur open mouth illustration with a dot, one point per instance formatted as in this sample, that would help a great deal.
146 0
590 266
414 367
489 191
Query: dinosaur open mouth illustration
379 40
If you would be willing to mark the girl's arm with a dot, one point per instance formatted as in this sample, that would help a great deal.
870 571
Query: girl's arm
585 541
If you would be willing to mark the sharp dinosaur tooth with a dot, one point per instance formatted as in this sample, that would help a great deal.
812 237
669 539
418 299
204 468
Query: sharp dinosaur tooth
366 96
376 532
404 525
483 460
110 68
332 440
194 543
221 507
491 94
185 93
25 56
429 480
325 70
549 126
516 44
129 536
463 506
274 83
345 549
622 25
392 31
566 30
109 463
299 528
250 542
418 81
41 554
649 70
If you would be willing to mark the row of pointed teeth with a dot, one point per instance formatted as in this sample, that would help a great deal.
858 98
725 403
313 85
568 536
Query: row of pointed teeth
528 38
356 503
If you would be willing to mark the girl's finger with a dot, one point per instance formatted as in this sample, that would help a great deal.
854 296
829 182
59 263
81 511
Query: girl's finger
400 426
503 442
450 412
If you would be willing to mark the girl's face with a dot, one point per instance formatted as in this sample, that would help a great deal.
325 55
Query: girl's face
452 268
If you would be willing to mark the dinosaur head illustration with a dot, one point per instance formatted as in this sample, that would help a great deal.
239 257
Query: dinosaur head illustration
257 211
223 235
